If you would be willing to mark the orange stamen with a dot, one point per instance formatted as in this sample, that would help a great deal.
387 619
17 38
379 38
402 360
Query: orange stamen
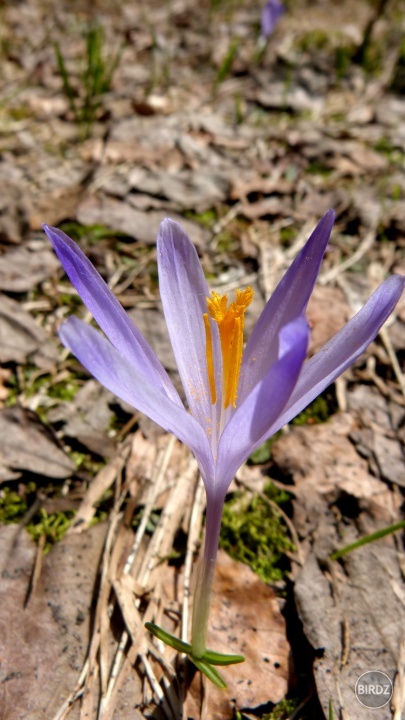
230 323
210 358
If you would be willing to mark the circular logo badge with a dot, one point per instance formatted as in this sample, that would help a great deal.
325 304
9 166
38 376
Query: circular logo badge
373 689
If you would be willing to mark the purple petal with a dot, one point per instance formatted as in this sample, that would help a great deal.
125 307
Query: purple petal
250 424
108 312
183 290
118 375
271 14
288 302
343 349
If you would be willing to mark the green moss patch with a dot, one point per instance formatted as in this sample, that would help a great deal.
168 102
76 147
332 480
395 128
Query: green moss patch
254 533
14 508
52 527
317 412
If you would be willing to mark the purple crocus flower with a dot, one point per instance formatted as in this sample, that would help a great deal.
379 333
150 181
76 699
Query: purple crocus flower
236 398
271 14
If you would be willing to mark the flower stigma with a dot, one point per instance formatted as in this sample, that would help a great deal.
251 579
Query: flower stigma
230 321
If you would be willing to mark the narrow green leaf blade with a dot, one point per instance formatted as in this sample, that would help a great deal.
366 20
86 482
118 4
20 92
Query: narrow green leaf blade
167 638
210 672
216 658
368 539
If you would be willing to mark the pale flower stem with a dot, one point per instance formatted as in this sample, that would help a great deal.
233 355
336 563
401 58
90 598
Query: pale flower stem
201 607
205 577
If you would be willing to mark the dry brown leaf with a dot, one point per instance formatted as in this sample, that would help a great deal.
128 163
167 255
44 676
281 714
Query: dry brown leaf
22 269
5 375
328 311
368 159
345 167
15 206
87 418
379 435
43 645
56 206
371 408
269 206
152 324
353 611
141 225
321 458
141 458
22 338
186 189
206 138
26 444
390 458
253 183
353 617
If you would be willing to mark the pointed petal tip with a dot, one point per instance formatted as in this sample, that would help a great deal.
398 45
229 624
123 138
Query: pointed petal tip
171 229
396 284
165 231
48 230
183 290
169 225
390 290
327 221
399 279
55 236
165 224
344 348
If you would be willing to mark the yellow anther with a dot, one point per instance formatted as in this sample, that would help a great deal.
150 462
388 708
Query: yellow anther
217 306
230 323
210 358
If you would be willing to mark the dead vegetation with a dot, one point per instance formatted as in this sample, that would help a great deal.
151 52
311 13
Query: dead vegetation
247 146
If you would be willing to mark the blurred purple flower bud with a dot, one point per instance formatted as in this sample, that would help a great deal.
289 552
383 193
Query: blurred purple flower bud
271 14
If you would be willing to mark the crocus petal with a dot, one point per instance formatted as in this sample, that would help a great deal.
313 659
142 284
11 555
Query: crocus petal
288 301
250 424
183 290
343 349
271 14
118 375
108 312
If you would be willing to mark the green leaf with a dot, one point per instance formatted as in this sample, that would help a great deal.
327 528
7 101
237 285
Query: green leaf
209 671
205 663
169 639
368 539
216 658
